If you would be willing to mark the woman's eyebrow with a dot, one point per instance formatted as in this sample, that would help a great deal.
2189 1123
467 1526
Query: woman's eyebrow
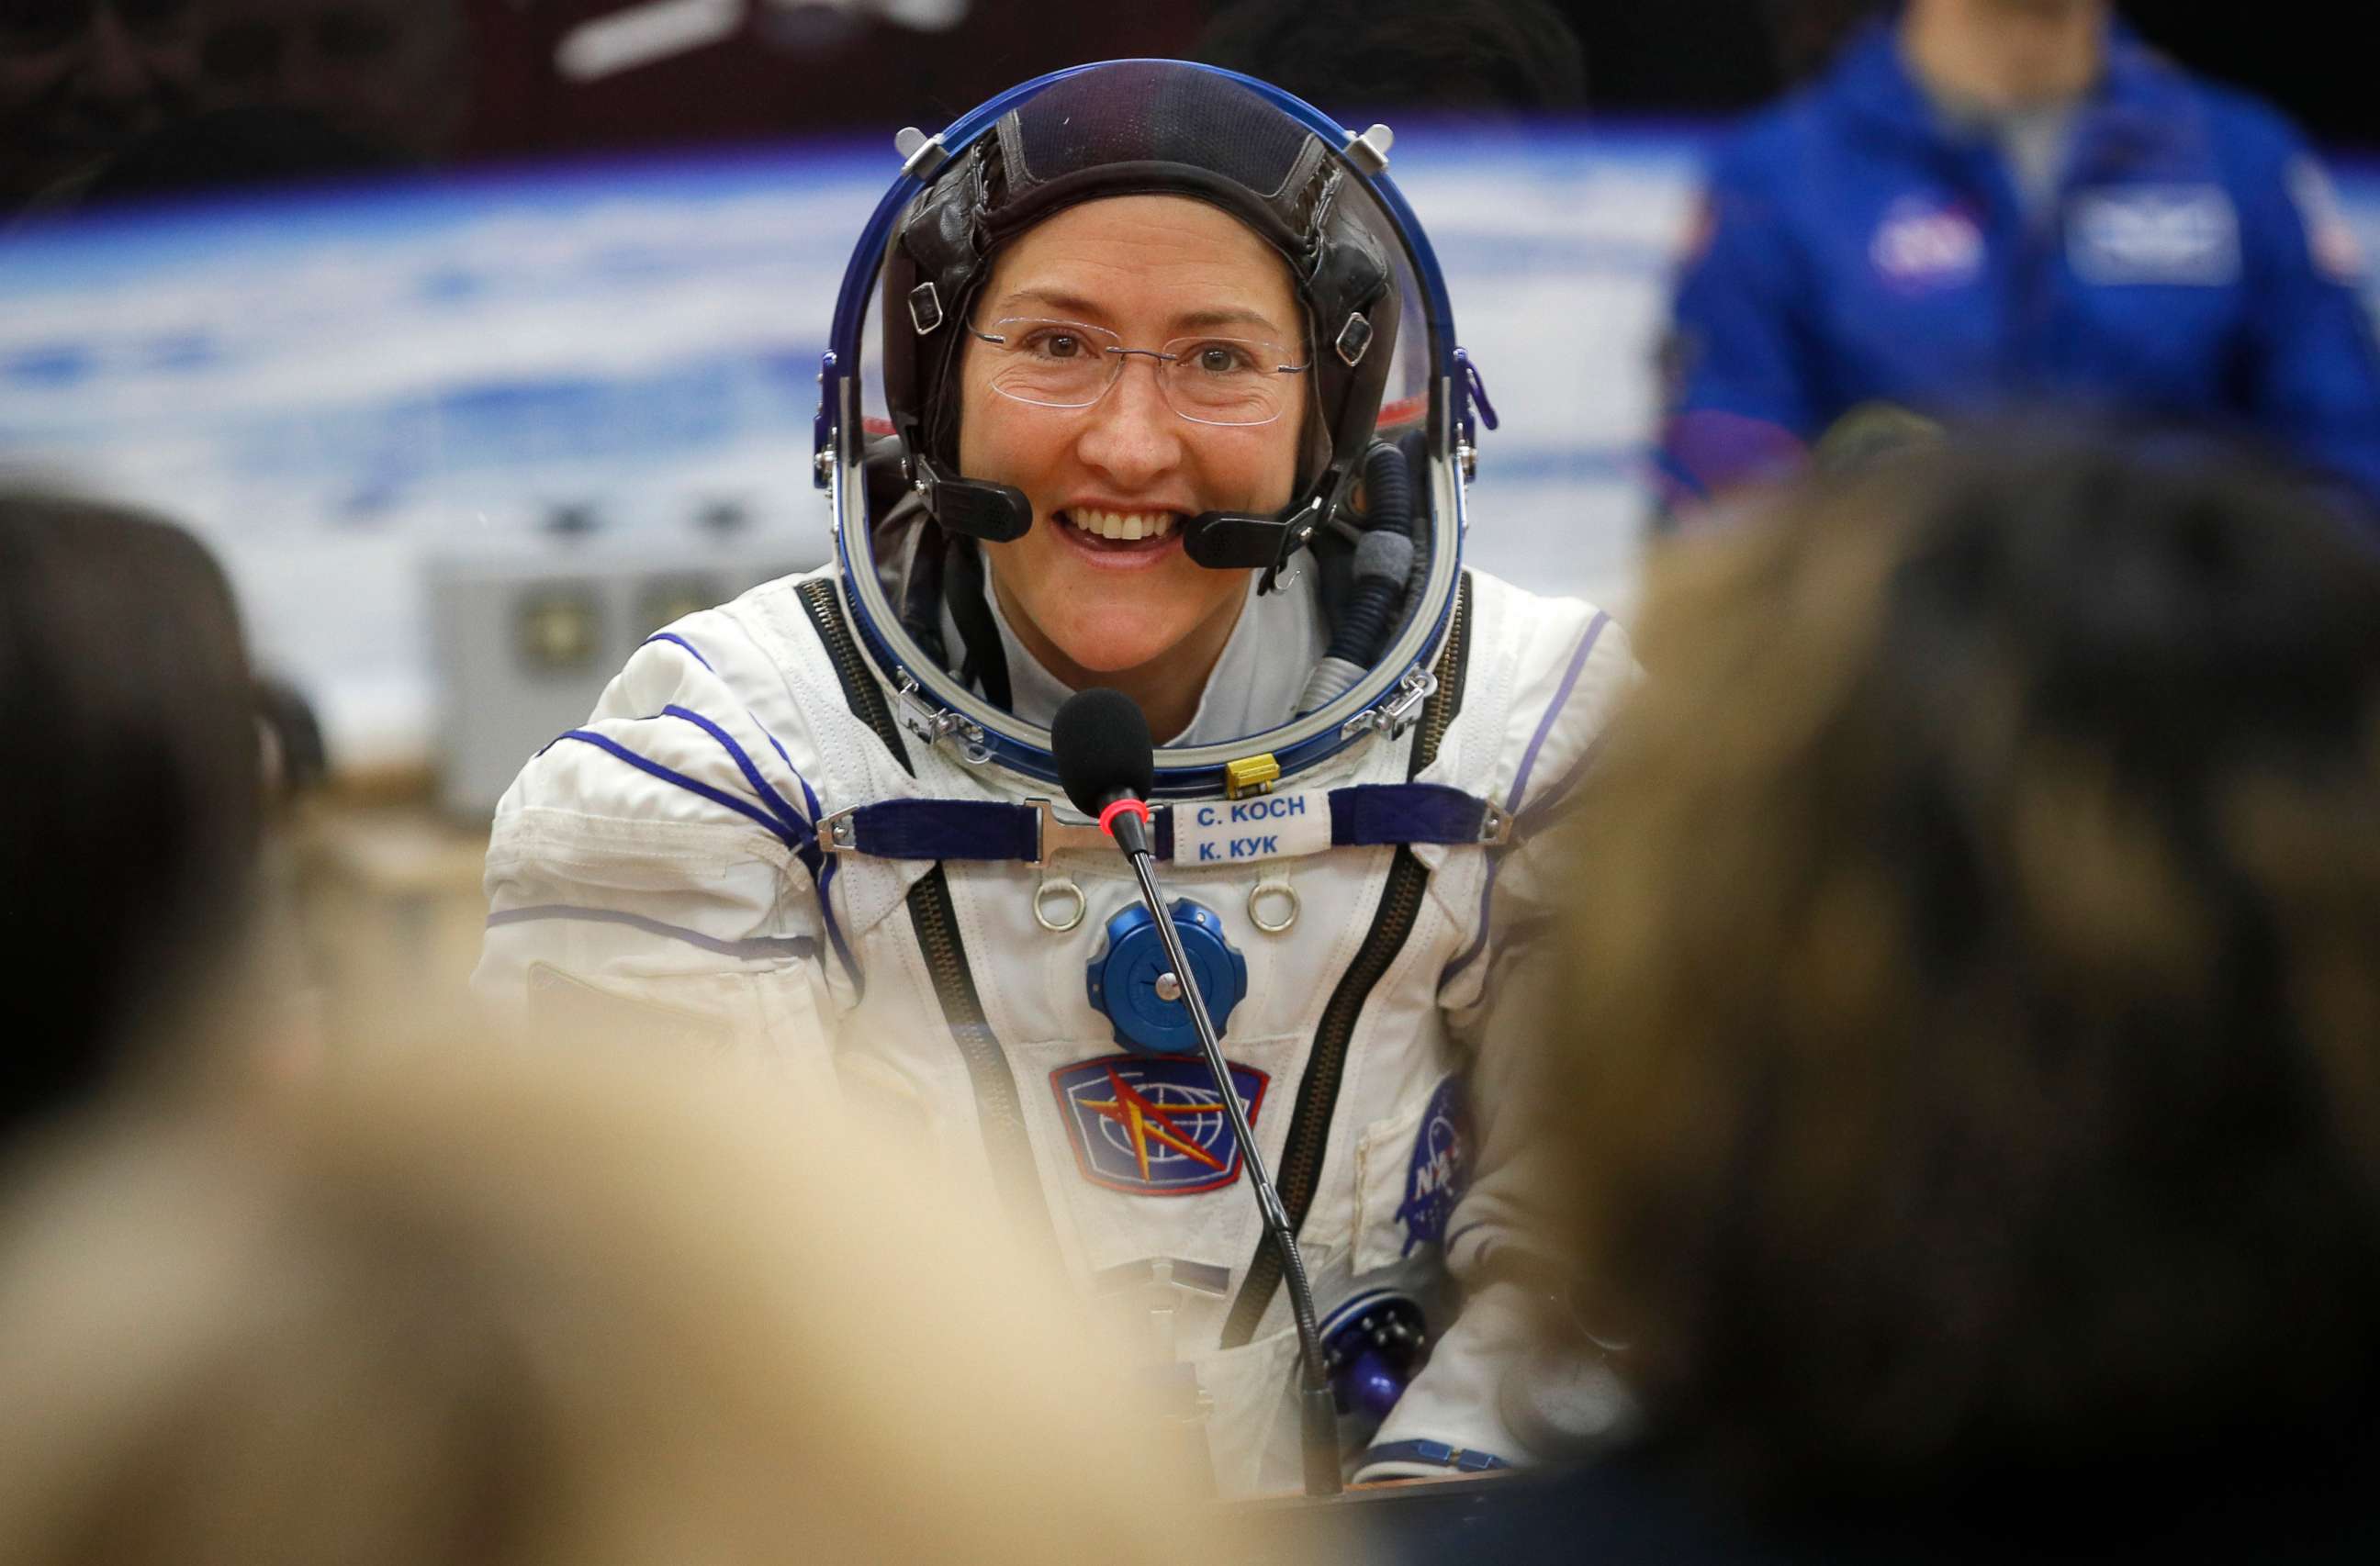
1075 305
1054 299
1200 320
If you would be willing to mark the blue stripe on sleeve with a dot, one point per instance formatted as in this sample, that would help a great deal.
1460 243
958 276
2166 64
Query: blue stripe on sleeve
791 819
674 636
758 947
775 827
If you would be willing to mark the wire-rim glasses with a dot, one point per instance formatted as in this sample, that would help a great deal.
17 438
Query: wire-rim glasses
1232 381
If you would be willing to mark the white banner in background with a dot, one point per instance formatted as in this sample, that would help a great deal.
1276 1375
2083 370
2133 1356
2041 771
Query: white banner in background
331 390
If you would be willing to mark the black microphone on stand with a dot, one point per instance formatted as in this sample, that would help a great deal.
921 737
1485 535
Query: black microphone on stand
1105 760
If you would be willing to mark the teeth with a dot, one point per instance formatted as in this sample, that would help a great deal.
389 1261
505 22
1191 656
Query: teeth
1123 525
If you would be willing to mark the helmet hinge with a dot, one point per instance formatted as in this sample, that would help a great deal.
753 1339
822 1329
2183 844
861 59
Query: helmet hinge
935 724
1369 151
925 308
1397 715
920 154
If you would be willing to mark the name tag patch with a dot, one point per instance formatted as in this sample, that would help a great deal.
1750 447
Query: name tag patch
2171 234
1268 826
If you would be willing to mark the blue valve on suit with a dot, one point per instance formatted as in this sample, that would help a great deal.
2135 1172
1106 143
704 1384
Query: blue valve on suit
1132 983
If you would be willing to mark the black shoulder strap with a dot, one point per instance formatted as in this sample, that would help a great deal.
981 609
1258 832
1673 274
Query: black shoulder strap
963 589
1300 1172
1000 1112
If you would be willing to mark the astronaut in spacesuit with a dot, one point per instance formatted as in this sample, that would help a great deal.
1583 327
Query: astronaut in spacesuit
1166 398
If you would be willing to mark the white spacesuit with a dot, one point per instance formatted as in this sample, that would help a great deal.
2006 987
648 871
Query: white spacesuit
801 827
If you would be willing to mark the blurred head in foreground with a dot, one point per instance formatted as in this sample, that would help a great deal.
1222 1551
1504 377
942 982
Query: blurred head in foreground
568 1308
131 784
1977 977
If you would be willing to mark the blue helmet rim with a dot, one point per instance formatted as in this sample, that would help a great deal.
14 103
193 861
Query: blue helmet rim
1184 772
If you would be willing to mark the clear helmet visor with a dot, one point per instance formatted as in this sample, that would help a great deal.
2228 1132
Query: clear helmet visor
1157 411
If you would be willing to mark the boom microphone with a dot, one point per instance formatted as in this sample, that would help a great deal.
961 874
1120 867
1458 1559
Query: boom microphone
1105 760
1100 740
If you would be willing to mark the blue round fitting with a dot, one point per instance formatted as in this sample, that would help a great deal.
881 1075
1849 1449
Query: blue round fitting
1123 979
1372 1347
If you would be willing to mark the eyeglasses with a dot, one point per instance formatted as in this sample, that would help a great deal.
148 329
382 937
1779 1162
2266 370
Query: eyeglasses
1227 380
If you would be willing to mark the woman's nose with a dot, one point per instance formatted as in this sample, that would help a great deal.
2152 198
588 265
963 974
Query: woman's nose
1131 435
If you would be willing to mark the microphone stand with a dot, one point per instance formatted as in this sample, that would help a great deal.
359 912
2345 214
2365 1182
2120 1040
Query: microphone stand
1317 1410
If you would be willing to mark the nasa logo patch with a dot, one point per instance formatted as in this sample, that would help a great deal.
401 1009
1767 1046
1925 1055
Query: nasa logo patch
1927 243
1154 1126
1440 1170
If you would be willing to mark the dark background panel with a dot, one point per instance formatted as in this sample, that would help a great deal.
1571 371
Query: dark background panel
1718 55
358 85
821 69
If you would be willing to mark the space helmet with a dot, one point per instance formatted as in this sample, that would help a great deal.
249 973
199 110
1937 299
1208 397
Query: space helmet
1374 520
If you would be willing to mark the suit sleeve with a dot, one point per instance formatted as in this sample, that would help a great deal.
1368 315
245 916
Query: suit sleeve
651 874
1479 1397
2312 369
1739 401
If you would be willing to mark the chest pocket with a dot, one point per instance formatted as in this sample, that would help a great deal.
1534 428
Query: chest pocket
2155 296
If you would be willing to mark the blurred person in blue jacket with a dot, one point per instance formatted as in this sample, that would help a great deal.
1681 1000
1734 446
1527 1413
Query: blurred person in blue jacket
1995 202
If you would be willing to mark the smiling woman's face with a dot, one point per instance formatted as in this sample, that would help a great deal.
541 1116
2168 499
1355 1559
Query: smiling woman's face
1150 269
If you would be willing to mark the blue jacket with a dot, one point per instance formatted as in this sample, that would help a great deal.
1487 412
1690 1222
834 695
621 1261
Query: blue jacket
1854 248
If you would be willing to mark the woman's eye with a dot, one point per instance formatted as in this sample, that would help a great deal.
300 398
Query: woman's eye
1215 359
1057 344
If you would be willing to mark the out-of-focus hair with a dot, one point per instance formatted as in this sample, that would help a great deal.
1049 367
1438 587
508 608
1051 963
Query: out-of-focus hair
1809 34
1343 56
563 1308
1975 977
130 787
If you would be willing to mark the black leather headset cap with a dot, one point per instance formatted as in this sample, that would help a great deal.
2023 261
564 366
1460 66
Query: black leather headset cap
1143 128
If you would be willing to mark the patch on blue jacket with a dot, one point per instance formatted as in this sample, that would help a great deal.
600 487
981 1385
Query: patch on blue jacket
1440 1169
2186 235
1928 243
1154 1126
